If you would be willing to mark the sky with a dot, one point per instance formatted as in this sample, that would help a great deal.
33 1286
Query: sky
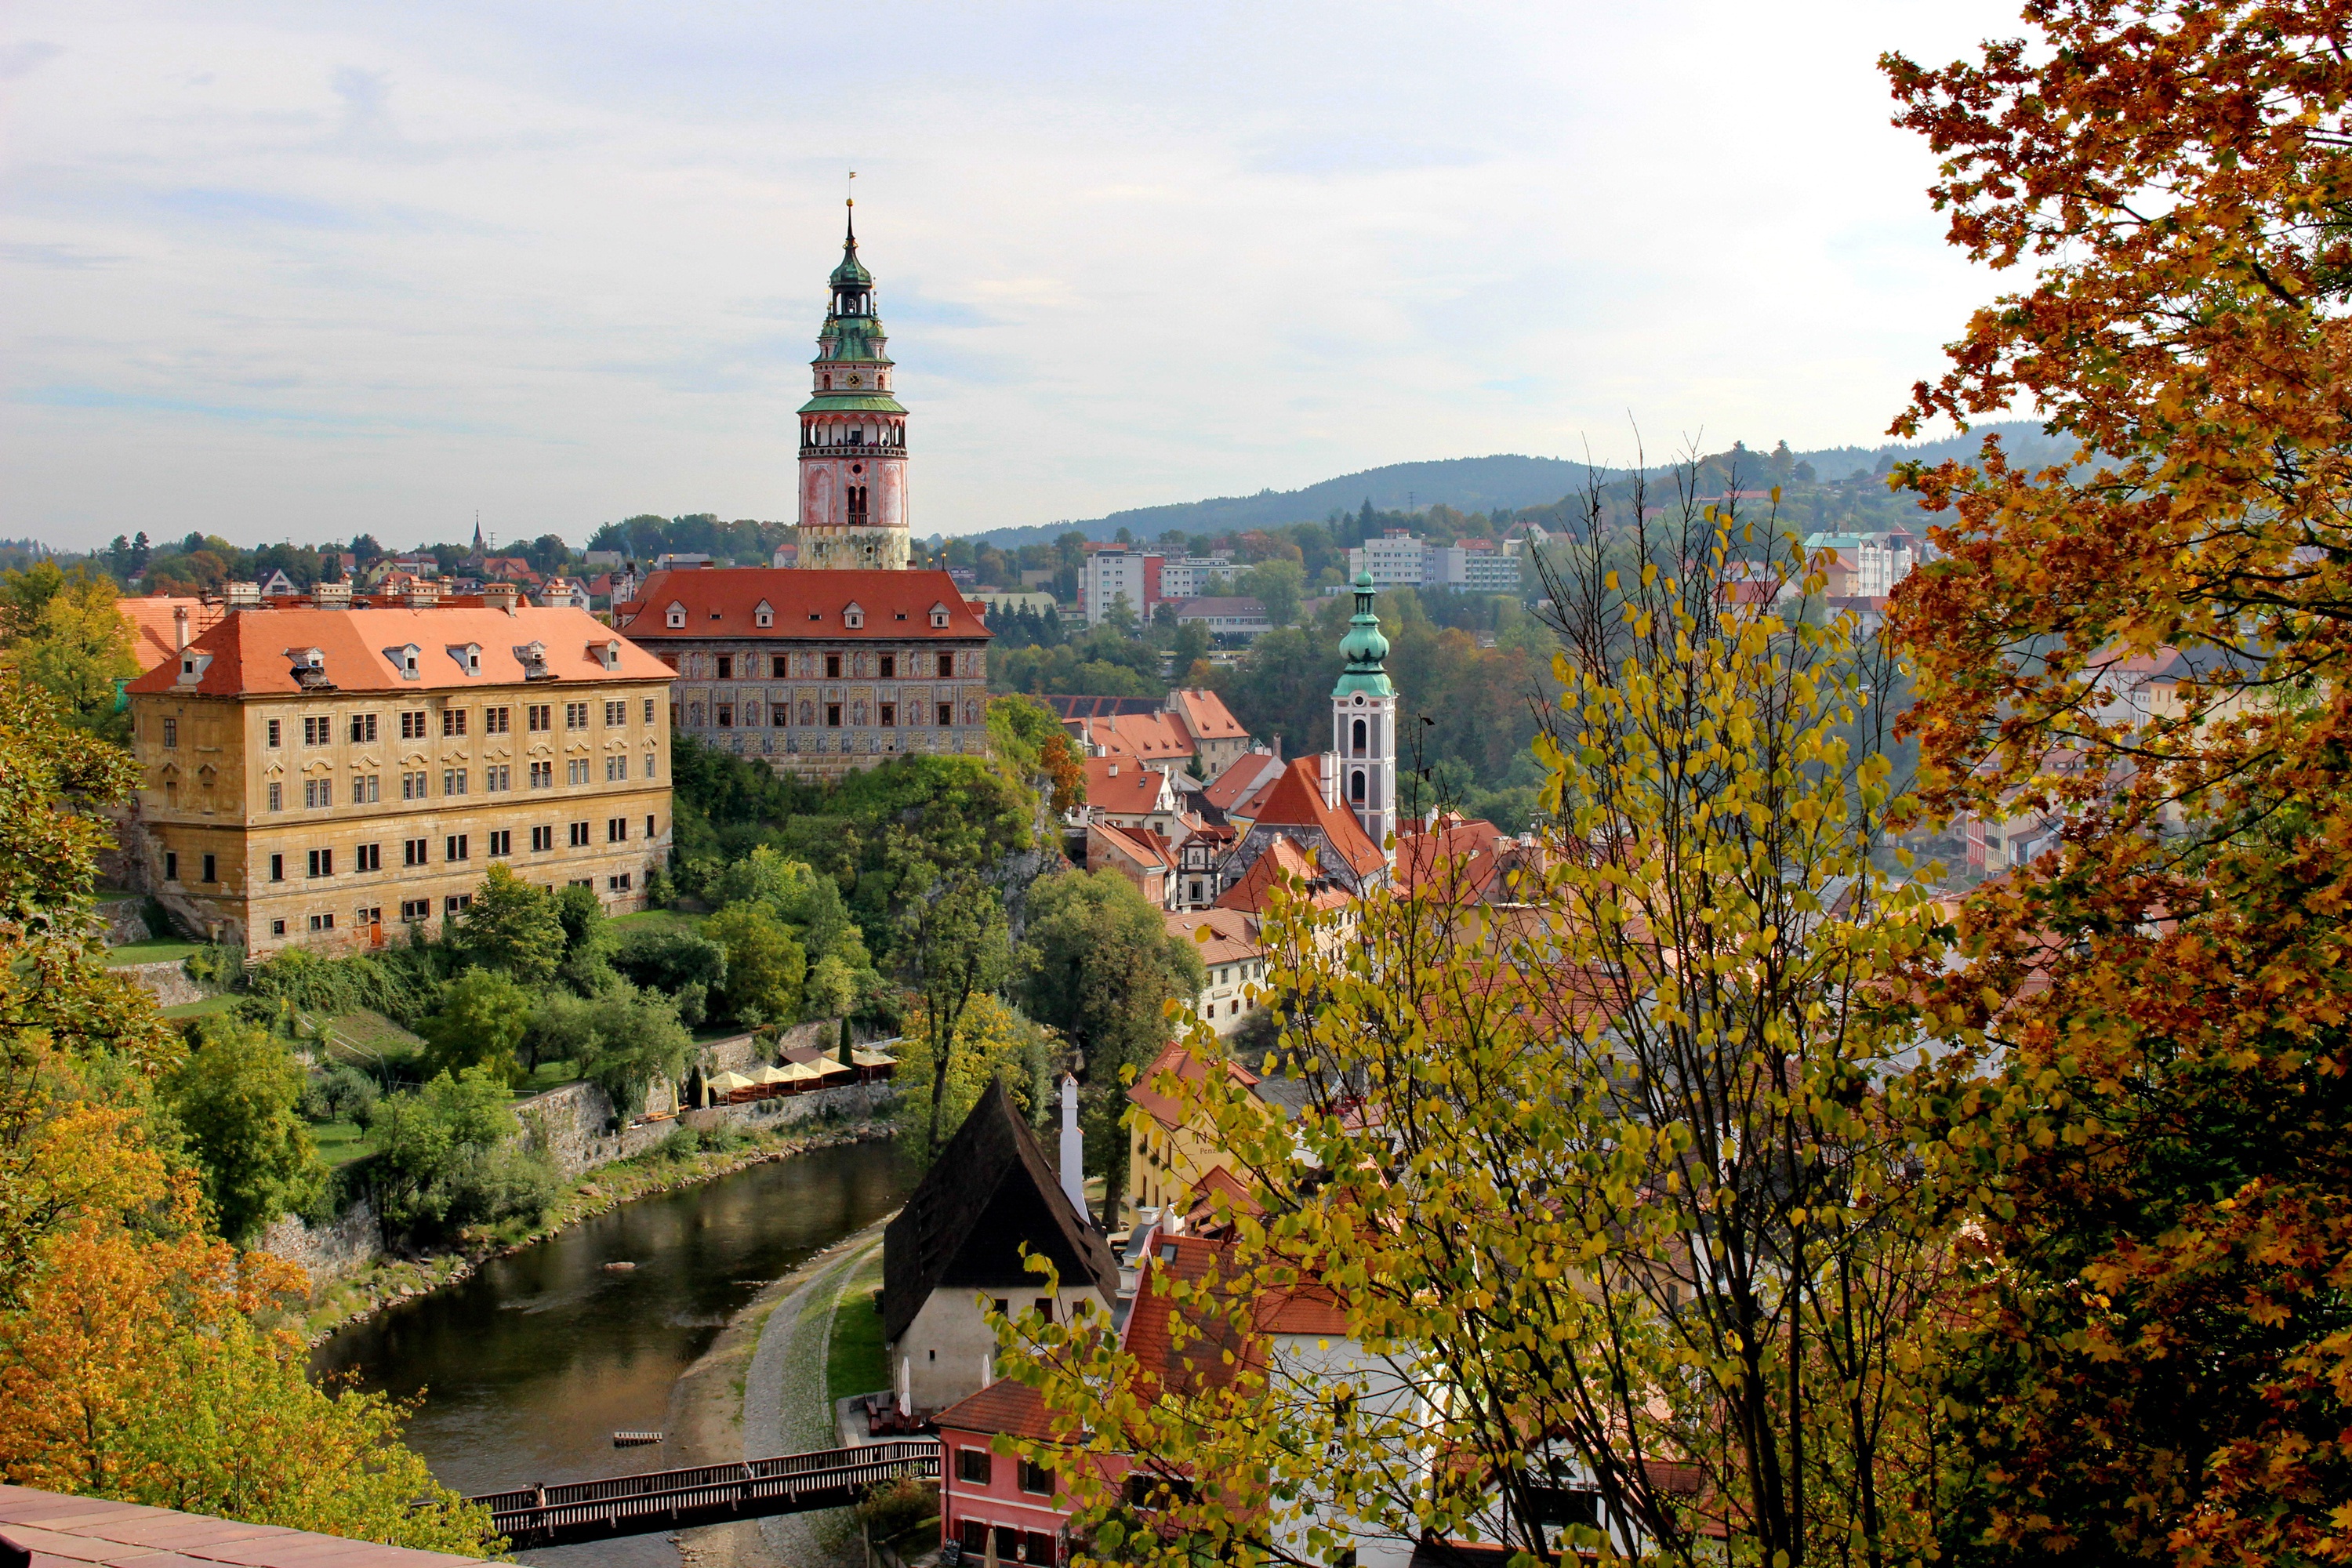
310 269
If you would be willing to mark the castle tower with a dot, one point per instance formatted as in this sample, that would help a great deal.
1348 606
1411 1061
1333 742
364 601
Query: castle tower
1363 722
853 507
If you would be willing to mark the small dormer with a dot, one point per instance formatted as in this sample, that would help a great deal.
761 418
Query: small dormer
938 617
408 660
310 669
607 653
533 656
854 617
469 657
193 666
674 616
763 614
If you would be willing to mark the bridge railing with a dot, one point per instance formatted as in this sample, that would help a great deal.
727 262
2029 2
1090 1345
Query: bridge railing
784 1484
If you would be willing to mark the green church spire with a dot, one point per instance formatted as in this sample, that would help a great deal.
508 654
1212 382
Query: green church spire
1364 647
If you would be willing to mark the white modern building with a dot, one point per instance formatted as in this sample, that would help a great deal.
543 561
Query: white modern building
1476 565
1394 560
1110 574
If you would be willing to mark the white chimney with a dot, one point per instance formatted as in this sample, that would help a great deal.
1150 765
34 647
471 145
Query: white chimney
1330 765
1073 1146
179 628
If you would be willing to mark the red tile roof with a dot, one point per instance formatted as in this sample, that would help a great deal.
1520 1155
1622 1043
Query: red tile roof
1140 845
251 650
721 602
1461 858
1188 1069
1231 939
154 631
1254 894
1123 785
1146 737
1205 715
74 1532
1199 1363
1012 1408
1244 776
1297 801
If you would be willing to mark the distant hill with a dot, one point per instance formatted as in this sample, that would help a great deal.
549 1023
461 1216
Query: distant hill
1473 484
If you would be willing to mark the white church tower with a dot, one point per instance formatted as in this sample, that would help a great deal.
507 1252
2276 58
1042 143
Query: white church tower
1363 723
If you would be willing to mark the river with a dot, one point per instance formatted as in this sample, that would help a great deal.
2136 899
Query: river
527 1369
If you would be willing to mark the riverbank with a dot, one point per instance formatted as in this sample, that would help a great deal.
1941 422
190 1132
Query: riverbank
380 1285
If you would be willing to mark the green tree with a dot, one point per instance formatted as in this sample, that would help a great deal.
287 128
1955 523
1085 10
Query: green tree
1276 584
512 926
633 1039
238 1095
765 966
1100 965
60 632
991 1042
953 947
481 1020
448 1156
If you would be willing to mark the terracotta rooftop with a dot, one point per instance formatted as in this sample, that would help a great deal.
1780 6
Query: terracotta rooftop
1246 775
1297 801
252 652
1205 714
1012 1408
1123 785
1140 845
724 602
153 629
1231 939
1146 737
78 1531
1254 894
1188 1069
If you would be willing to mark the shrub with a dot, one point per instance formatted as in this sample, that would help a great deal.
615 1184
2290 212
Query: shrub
340 1094
895 1507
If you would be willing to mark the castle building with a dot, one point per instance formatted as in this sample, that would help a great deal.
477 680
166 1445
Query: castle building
314 776
852 477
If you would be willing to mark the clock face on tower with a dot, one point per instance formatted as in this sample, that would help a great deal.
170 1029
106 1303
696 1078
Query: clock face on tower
853 378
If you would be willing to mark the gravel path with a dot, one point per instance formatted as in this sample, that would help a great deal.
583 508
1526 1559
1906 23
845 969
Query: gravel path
785 1408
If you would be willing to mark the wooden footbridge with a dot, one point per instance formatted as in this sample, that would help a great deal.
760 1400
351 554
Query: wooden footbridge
707 1494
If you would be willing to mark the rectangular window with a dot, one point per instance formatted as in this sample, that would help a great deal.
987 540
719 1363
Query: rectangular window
833 667
777 667
318 792
501 843
172 733
362 727
414 786
620 884
322 922
947 714
171 865
576 771
889 666
453 780
947 665
453 721
372 916
368 790
617 713
456 903
416 909
1036 1478
617 830
318 732
322 862
724 713
575 715
412 724
499 780
651 767
278 927
278 798
542 837
726 667
579 835
649 702
541 717
369 857
278 867
495 721
890 715
649 827
454 847
543 775
833 715
276 731
615 769
212 869
972 1465
412 851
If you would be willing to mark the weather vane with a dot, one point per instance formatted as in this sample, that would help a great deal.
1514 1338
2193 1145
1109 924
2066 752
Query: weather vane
852 200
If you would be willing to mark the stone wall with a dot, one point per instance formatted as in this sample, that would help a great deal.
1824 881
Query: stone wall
126 920
341 1246
167 980
573 1123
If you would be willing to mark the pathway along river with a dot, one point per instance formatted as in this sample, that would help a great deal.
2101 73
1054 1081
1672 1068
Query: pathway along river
529 1367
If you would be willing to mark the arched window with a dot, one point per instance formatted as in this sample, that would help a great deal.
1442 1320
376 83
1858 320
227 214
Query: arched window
1359 740
1356 786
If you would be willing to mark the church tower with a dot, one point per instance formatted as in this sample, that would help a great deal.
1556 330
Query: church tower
852 506
1363 722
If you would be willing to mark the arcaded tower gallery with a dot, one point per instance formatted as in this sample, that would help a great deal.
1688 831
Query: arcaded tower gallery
853 511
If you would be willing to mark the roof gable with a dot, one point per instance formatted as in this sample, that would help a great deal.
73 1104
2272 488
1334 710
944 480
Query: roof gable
990 1190
1297 801
833 605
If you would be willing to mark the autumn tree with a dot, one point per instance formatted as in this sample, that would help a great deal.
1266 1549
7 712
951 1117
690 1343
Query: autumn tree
61 633
2148 1110
1614 1188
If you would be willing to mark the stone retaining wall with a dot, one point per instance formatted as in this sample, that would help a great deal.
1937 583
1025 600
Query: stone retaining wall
341 1246
167 980
126 920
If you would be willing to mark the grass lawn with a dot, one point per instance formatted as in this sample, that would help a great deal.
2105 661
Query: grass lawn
152 952
340 1142
550 1075
371 1036
209 1006
856 1361
653 919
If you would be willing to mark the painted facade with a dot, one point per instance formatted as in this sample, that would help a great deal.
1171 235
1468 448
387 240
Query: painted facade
853 457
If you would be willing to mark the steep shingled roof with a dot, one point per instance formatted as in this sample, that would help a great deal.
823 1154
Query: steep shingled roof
1204 715
1125 786
154 630
991 1190
250 651
1297 801
1254 894
1246 775
723 600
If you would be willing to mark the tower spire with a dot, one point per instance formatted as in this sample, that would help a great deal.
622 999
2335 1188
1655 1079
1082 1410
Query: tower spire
852 502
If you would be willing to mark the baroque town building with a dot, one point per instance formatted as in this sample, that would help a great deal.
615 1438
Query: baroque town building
314 775
853 479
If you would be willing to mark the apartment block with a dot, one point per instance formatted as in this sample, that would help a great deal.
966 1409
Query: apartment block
323 775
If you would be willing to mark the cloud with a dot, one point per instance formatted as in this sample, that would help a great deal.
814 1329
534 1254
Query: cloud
24 57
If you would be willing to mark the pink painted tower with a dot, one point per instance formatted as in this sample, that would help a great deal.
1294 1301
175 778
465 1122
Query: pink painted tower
853 511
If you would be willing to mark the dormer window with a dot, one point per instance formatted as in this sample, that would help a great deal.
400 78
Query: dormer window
191 667
763 614
469 657
674 616
852 617
609 655
938 617
408 660
533 656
